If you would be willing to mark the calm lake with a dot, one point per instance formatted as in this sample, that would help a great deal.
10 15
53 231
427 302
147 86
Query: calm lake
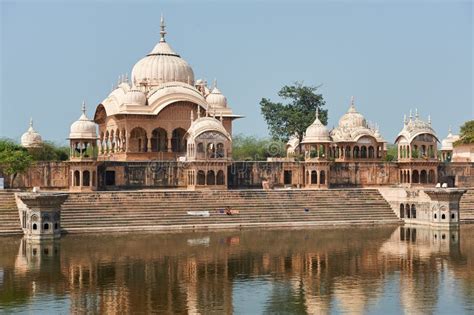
376 270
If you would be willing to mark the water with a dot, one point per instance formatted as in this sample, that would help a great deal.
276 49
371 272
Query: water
377 270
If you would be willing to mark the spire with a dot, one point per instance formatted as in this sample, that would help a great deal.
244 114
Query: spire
416 112
429 119
411 116
31 122
352 107
162 26
215 83
84 107
449 131
405 119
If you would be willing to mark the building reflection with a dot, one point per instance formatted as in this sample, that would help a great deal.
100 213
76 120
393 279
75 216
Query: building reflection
315 271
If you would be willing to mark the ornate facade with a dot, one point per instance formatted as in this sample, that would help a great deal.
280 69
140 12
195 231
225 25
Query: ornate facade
163 128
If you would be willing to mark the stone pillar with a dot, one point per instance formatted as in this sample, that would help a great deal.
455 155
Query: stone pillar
444 206
40 214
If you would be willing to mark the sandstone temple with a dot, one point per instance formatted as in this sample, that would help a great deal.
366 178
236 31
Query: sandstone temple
162 128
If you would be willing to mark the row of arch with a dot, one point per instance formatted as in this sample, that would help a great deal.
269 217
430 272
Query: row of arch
313 176
210 178
407 151
83 178
407 212
356 152
418 177
140 141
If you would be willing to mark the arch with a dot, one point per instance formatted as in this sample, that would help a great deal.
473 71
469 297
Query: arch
178 143
35 226
77 178
86 178
407 211
348 151
211 178
371 152
138 140
211 150
402 210
443 216
423 177
220 178
200 147
314 177
431 177
322 178
415 177
356 152
220 153
363 152
159 140
46 226
413 211
201 177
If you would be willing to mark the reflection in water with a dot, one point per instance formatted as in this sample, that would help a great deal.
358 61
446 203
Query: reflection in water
315 271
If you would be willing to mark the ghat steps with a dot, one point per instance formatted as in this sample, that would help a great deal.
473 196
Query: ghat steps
467 206
155 210
9 218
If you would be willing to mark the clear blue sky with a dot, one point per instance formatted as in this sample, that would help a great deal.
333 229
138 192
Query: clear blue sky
391 56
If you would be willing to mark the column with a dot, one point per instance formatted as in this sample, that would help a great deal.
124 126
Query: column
80 178
169 143
148 145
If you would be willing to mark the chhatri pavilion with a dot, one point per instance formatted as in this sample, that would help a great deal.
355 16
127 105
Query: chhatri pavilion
163 128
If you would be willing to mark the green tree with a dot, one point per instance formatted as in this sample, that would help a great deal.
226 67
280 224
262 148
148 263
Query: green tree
256 149
293 117
48 151
467 133
14 159
392 153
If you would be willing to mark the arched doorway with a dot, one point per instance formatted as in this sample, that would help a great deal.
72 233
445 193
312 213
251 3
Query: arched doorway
415 177
138 140
423 177
314 177
201 178
159 140
86 178
363 152
402 210
178 143
322 178
211 178
77 178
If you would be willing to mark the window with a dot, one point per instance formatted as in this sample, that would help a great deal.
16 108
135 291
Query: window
46 226
443 217
287 177
35 227
109 178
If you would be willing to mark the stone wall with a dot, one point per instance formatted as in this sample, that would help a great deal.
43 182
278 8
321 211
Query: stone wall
457 174
53 175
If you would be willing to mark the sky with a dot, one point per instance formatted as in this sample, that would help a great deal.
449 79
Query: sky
392 56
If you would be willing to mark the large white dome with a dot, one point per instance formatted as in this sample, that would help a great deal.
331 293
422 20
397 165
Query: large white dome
162 65
83 128
352 119
31 138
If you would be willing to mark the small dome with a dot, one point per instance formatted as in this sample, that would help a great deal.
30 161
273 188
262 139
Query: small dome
352 119
135 97
447 143
316 132
162 65
83 128
415 127
31 138
205 124
216 99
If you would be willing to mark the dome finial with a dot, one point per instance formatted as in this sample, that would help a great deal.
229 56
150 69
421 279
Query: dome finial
162 26
84 107
416 112
31 122
317 112
411 116
405 119
429 119
215 83
352 101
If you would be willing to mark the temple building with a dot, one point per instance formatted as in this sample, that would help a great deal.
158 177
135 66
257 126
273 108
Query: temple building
417 151
162 127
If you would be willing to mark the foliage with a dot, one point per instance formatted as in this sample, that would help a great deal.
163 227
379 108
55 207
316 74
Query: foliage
392 153
50 152
256 149
467 133
285 120
14 159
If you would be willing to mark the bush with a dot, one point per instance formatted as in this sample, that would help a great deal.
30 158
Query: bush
256 149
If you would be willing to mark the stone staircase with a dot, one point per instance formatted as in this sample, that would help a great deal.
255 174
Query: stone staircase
9 218
466 206
162 210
